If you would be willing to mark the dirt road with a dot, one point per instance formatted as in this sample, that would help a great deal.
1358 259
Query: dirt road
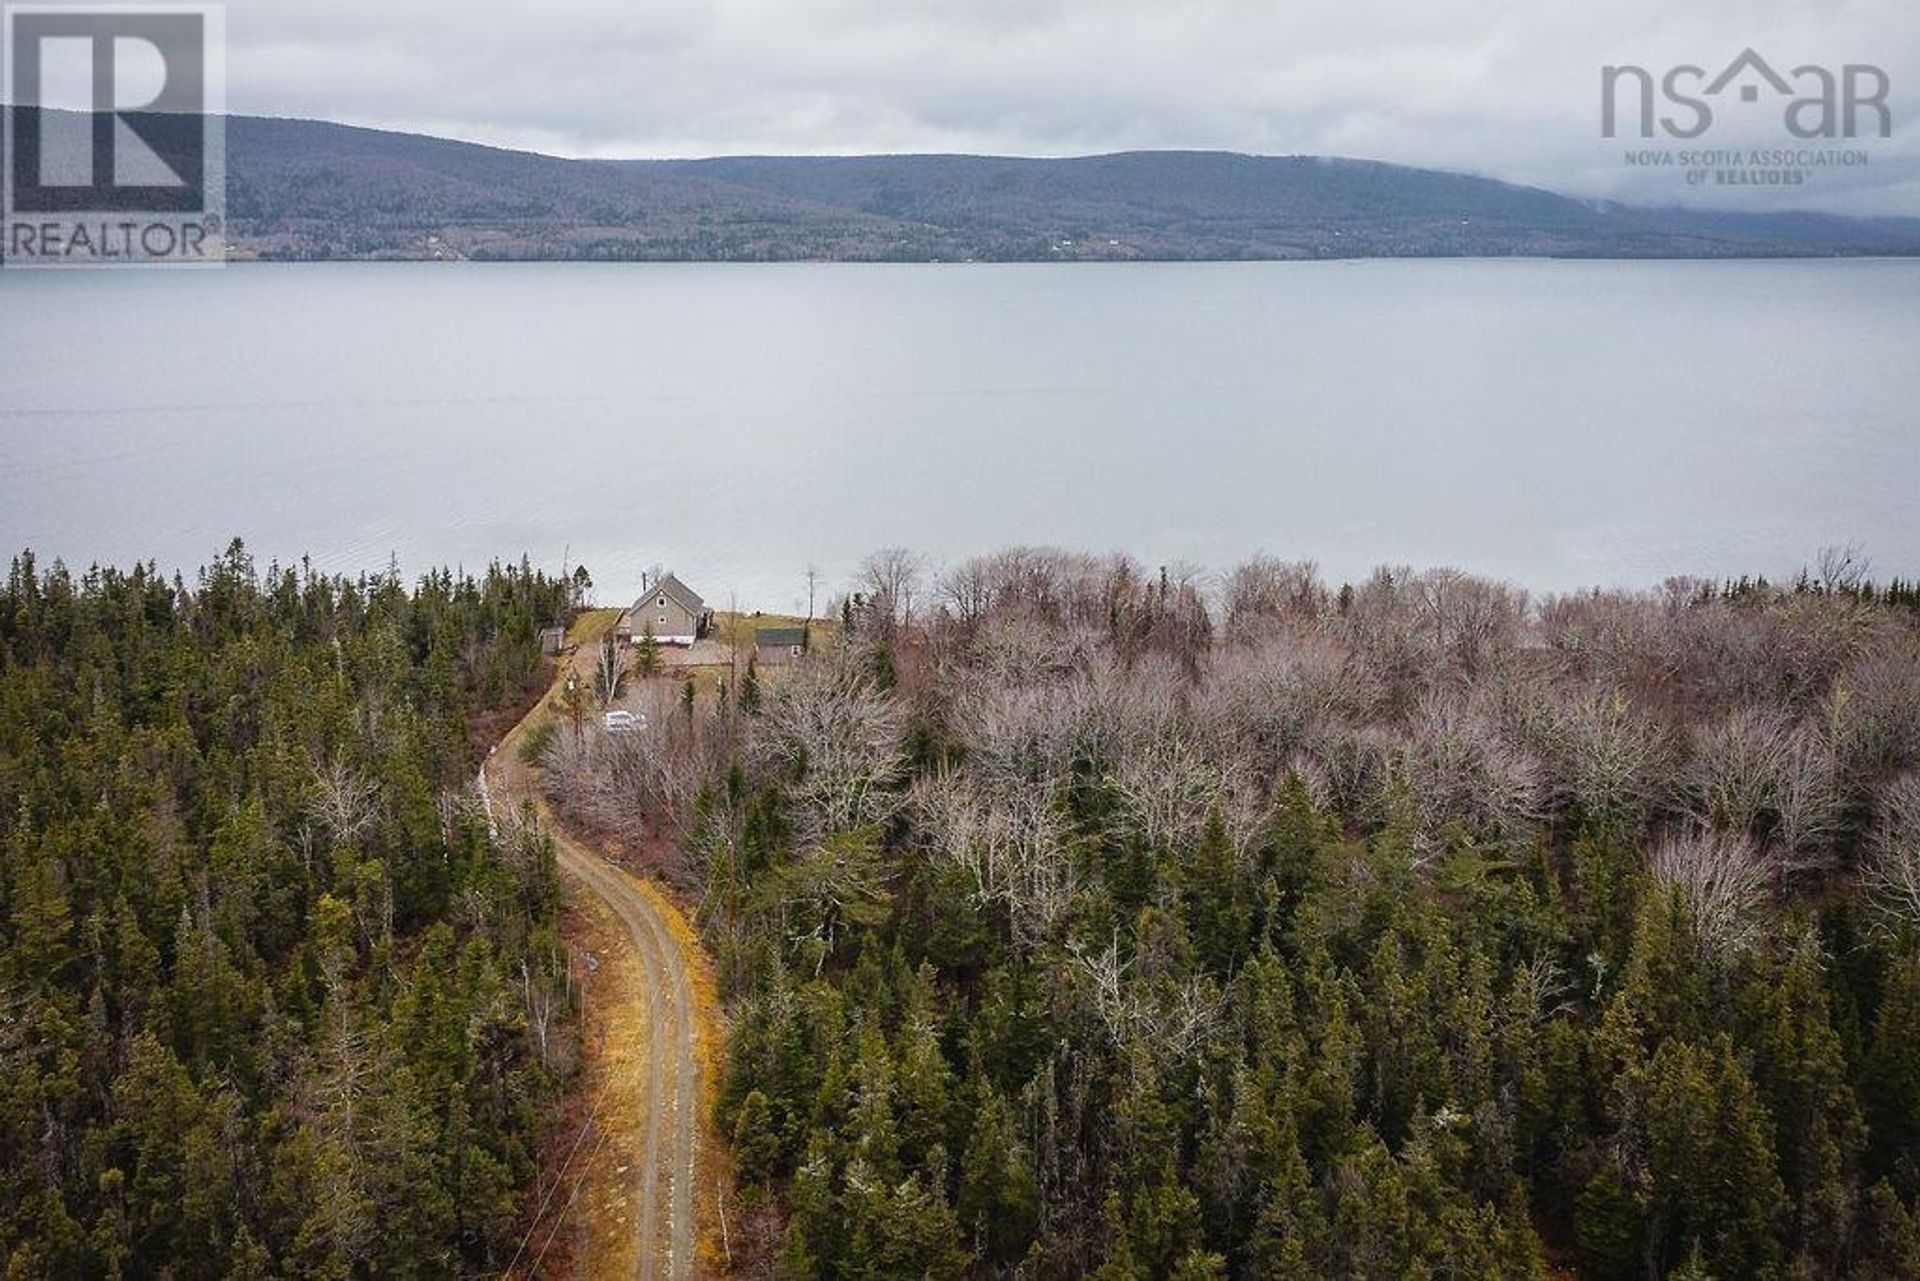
648 1092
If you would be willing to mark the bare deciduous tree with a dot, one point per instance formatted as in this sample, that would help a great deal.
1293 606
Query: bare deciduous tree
1018 649
1541 991
1841 569
891 578
1873 716
1770 716
1722 879
1892 870
1266 589
1469 621
538 996
1461 771
967 592
1098 716
458 805
646 775
1606 760
1810 811
1355 765
1734 776
1263 701
837 742
1172 1023
1758 772
1013 847
1166 792
1016 735
344 803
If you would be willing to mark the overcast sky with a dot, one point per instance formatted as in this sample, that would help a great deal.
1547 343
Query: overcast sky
1507 88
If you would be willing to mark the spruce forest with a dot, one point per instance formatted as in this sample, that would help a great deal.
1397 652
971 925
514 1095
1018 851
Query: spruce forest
271 999
1078 920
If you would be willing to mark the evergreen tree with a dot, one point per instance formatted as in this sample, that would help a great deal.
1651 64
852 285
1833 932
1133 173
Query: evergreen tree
1712 1174
1218 906
756 1143
999 1204
1802 1074
1892 1084
750 688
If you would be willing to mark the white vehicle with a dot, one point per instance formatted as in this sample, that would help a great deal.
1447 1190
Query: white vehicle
619 722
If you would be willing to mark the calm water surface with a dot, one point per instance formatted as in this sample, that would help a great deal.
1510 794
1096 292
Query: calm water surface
1559 424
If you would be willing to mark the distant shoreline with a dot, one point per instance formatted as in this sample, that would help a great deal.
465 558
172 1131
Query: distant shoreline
301 190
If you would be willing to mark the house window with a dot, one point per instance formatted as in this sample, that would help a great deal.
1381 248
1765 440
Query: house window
663 602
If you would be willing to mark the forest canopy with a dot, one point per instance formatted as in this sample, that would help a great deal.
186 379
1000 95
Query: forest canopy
1083 920
1074 920
272 1001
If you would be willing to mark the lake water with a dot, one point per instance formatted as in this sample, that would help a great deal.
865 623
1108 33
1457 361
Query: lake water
1555 423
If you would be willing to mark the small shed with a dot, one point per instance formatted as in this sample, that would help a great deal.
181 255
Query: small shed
553 640
773 646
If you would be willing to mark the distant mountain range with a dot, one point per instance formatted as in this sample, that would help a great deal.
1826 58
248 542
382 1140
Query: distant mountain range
309 190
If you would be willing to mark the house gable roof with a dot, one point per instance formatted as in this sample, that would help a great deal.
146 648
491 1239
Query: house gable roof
780 636
681 594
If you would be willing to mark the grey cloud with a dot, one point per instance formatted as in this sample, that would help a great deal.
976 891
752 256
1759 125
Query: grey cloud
1508 88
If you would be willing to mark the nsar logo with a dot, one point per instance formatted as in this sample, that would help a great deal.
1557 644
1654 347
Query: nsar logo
1820 102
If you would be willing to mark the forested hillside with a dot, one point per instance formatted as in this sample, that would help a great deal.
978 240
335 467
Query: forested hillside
1079 921
307 189
272 1003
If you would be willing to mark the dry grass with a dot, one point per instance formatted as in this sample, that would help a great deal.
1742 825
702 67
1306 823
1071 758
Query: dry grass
591 625
592 1227
597 1222
738 629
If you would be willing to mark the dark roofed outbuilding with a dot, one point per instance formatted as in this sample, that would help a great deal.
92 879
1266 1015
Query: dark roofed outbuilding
776 645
